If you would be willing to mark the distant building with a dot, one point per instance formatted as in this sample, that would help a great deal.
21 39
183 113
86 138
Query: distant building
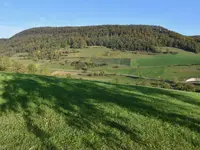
193 80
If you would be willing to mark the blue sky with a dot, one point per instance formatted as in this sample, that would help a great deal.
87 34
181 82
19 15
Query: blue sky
182 16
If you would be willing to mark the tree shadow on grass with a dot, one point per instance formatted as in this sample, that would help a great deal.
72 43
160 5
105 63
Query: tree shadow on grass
157 91
39 133
187 99
127 131
64 96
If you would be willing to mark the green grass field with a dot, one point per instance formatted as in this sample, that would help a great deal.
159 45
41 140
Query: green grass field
166 66
39 112
169 59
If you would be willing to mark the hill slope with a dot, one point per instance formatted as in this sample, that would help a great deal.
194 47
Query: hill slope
197 38
38 112
122 37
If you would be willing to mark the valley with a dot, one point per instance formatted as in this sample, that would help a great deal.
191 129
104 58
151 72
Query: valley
100 87
161 66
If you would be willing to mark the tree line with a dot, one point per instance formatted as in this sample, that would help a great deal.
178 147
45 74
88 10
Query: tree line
121 37
197 38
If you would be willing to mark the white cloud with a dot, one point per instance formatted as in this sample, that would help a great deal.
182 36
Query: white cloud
9 31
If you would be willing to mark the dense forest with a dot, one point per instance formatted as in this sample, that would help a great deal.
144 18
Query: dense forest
122 37
197 38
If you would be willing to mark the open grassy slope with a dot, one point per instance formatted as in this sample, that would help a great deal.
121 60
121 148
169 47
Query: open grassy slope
38 112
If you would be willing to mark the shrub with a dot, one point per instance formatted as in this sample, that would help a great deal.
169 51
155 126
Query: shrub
190 87
175 79
117 80
96 73
186 87
18 68
90 75
62 64
84 70
45 71
106 54
101 73
115 67
68 76
32 68
102 64
5 63
179 86
157 84
66 61
83 65
165 85
8 65
145 83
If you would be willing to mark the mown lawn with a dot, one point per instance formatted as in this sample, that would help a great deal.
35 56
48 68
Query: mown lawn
38 112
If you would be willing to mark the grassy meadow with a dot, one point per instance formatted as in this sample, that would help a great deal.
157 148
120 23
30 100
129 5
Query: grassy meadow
40 112
180 66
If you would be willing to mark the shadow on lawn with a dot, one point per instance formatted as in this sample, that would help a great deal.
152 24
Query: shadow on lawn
42 135
62 95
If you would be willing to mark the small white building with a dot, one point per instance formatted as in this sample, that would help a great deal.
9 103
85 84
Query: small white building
193 80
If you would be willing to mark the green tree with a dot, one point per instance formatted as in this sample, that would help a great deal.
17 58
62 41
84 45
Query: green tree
18 67
5 63
33 68
45 71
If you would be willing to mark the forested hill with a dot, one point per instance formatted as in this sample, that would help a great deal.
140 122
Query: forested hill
2 40
122 37
197 38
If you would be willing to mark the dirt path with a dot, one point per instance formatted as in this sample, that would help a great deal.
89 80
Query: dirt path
63 73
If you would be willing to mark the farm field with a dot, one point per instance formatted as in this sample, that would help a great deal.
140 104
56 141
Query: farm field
179 66
41 112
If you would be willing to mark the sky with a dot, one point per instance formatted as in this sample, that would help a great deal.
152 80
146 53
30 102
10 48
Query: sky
182 16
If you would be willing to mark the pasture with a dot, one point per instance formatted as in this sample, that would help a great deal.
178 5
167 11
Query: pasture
180 66
40 112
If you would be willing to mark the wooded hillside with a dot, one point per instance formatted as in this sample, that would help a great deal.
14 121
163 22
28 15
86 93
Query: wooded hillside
122 37
197 38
